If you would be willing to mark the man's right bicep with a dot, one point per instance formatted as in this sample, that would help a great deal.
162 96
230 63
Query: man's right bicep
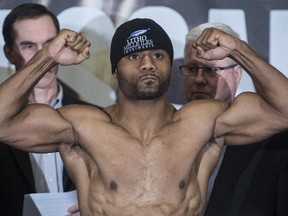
38 128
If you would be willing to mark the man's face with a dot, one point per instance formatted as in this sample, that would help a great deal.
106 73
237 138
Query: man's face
144 75
31 35
222 87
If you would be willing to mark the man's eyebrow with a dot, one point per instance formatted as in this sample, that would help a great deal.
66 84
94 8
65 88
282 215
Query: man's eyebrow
26 42
30 42
49 40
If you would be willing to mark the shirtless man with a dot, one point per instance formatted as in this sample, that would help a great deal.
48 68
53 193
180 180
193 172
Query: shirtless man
141 156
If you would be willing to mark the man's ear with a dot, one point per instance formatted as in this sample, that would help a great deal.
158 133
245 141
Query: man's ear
9 54
115 73
238 74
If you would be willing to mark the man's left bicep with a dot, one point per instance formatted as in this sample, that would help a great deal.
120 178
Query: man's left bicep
248 120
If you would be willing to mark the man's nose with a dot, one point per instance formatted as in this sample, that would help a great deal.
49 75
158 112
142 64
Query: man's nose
39 47
200 78
147 63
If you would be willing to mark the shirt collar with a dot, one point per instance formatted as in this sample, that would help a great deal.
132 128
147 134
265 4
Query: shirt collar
57 102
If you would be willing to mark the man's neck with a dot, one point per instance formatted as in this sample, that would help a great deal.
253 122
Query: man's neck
143 119
43 95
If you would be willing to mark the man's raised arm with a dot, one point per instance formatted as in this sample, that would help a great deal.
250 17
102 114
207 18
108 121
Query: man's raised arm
250 117
67 48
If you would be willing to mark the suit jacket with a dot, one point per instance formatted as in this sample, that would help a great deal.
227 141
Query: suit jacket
16 175
252 180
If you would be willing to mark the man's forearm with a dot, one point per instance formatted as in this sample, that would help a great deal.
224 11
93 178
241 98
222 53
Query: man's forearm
14 92
270 83
67 48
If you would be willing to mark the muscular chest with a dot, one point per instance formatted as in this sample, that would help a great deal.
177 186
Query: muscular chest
162 159
159 169
161 153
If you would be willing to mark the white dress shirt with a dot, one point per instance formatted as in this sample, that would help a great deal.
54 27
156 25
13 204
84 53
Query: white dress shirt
48 168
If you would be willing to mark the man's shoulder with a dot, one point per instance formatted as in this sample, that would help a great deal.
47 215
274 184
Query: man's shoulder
204 111
206 106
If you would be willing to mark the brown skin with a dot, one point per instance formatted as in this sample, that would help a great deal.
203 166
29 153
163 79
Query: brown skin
141 156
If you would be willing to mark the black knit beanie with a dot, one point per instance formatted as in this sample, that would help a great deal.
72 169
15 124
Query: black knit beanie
138 35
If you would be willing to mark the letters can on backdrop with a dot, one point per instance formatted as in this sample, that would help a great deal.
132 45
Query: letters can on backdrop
262 23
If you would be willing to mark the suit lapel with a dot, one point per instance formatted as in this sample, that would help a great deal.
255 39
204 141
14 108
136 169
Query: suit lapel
23 161
236 159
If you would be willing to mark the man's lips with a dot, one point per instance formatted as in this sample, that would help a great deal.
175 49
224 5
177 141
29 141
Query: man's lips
199 92
199 95
148 77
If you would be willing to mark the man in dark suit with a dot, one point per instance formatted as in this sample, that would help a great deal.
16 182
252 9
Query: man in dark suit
250 179
26 29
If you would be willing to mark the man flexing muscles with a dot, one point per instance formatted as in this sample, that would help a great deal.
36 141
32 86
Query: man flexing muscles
141 156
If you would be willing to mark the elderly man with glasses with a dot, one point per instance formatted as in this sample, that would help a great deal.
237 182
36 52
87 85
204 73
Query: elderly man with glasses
204 79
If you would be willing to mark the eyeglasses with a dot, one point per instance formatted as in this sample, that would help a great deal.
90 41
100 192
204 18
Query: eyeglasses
191 70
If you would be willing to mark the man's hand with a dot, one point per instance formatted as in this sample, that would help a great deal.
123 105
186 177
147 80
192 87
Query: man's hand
74 210
214 44
68 47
